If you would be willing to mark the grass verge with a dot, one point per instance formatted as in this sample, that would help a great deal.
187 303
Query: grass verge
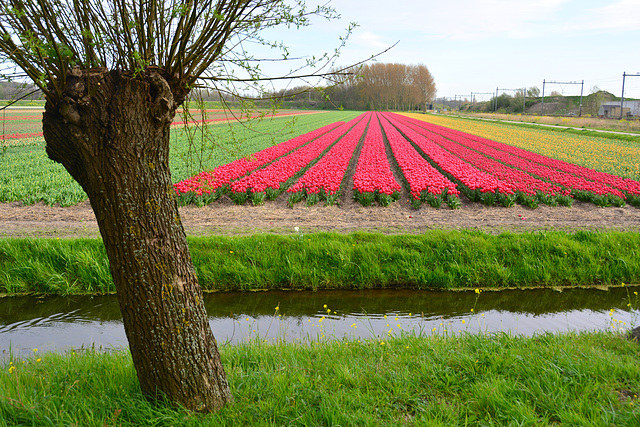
569 379
433 260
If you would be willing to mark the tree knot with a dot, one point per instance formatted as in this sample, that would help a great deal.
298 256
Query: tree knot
163 105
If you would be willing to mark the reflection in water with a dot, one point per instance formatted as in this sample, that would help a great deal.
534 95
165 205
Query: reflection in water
58 323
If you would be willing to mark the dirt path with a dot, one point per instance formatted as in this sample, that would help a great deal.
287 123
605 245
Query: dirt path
224 218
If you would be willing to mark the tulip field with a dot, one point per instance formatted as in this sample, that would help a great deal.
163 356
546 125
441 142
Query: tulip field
27 175
372 158
612 155
376 155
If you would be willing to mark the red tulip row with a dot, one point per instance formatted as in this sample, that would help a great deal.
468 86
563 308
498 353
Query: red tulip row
21 135
373 173
286 167
469 176
548 173
521 181
420 175
206 182
327 174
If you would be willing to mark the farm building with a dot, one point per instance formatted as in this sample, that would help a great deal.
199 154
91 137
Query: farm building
612 109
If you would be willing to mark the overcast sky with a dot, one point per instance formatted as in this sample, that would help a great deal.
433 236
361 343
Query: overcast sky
478 45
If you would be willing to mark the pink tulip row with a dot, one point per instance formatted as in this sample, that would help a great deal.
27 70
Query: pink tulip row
327 174
280 171
520 181
566 174
232 117
420 175
206 182
565 179
468 175
373 172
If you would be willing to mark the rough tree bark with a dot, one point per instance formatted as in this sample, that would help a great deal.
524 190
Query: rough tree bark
111 133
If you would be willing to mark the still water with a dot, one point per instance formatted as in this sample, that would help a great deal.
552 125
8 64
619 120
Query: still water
62 323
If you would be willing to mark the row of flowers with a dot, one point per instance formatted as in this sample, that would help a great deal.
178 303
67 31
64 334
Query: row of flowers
231 117
324 178
373 179
20 136
208 182
274 176
529 190
578 185
475 183
424 181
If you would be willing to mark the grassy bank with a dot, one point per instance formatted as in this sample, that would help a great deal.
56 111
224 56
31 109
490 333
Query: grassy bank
569 379
434 260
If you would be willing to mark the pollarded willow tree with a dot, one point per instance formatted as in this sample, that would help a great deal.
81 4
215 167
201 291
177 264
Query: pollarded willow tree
113 73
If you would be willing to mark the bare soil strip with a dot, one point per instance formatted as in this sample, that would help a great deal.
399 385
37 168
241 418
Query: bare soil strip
225 218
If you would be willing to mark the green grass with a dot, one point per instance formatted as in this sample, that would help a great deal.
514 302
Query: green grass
28 175
587 379
433 260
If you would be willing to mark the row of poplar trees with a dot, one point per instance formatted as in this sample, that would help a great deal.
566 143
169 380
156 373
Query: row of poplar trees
385 86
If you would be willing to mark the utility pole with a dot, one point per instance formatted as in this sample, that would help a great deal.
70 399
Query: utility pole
473 100
542 111
460 101
624 75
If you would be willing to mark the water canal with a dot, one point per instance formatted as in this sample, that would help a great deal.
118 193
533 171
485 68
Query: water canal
61 323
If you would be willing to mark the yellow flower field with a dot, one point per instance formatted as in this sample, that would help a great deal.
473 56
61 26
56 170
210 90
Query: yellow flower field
617 157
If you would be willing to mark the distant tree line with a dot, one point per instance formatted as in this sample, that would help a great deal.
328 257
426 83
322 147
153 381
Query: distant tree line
372 87
14 90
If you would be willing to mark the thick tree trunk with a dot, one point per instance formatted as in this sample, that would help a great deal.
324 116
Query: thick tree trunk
111 132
